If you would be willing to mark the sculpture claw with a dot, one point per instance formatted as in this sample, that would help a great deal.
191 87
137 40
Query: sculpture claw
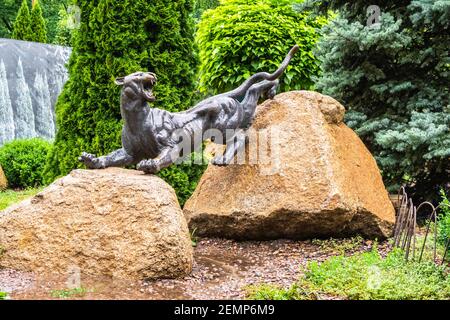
89 160
219 161
148 166
273 91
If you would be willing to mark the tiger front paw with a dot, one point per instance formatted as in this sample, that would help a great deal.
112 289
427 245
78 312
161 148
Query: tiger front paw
90 161
220 161
148 166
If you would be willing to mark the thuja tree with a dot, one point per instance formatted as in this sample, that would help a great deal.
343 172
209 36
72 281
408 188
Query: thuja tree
393 75
38 26
22 24
50 9
240 38
116 38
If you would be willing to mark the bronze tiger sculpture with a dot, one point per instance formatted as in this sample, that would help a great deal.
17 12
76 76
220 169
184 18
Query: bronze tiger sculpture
148 138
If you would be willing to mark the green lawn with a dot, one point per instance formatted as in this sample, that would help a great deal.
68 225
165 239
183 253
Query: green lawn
364 276
10 197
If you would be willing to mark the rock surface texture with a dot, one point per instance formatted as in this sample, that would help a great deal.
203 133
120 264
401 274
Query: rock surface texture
318 181
112 222
3 180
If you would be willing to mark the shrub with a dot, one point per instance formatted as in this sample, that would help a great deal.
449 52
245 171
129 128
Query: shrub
393 77
240 38
116 38
366 276
23 162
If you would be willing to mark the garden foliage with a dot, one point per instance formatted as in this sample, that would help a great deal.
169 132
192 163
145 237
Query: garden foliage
393 76
65 28
202 5
365 276
444 219
240 38
116 38
23 162
50 9
22 24
38 26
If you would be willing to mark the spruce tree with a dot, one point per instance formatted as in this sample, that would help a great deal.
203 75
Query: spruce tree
392 72
22 24
114 39
38 26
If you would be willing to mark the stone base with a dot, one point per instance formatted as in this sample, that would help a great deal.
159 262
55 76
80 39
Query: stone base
320 180
3 180
112 222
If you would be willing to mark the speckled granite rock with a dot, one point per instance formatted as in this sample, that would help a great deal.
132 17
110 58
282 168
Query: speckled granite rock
3 180
112 222
323 181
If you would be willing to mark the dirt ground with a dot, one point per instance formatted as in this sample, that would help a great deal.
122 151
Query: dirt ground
222 270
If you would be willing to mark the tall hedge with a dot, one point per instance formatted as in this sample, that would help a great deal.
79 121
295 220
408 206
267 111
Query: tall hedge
22 24
239 38
394 78
117 38
38 25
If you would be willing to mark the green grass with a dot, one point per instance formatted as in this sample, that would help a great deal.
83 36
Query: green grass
3 295
10 197
341 246
364 276
69 293
270 292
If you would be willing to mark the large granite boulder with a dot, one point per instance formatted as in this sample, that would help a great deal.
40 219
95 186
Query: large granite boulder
319 181
112 222
3 180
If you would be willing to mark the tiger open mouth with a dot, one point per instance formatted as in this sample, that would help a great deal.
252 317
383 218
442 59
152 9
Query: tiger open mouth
147 87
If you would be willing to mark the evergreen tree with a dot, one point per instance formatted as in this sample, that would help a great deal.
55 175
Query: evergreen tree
8 13
22 24
50 8
38 27
64 29
116 38
392 72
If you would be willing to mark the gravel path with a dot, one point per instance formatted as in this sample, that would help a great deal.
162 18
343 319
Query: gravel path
222 270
